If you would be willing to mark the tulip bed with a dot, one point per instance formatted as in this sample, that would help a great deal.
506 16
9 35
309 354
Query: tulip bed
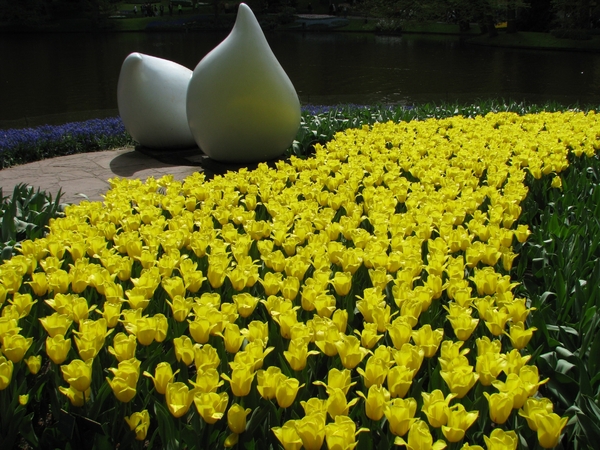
364 296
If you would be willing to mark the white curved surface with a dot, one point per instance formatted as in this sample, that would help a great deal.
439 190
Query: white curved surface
241 105
151 95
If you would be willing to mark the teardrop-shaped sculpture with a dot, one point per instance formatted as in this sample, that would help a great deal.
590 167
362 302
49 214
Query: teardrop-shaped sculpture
241 105
151 96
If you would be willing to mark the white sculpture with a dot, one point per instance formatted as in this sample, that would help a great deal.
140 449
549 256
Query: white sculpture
151 95
241 105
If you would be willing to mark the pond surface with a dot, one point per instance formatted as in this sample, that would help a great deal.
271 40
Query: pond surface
53 78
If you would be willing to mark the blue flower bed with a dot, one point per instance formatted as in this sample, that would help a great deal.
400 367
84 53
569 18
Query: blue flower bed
18 146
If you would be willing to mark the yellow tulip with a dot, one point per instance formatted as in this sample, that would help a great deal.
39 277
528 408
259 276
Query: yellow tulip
180 307
23 303
350 351
23 399
519 335
34 363
549 428
286 391
184 350
311 429
342 433
460 380
501 440
245 303
400 415
288 436
124 346
139 422
435 407
206 357
342 283
38 283
374 373
14 347
500 405
337 404
375 401
534 406
163 375
6 372
459 420
240 380
207 381
77 398
124 382
271 282
400 331
268 380
78 374
297 354
516 387
428 339
419 438
179 398
488 367
232 338
211 406
236 418
57 348
369 336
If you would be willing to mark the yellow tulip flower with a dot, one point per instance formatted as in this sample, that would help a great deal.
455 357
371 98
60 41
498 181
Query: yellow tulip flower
428 339
184 350
211 406
139 422
124 346
206 357
459 420
57 348
460 380
288 436
78 374
400 415
77 398
374 373
14 347
501 440
240 380
34 363
163 375
350 351
311 429
179 398
534 406
297 354
500 405
236 418
419 438
375 402
337 404
286 391
6 372
207 381
268 380
435 407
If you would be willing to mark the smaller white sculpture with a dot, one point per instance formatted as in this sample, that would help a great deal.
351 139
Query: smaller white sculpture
151 95
241 105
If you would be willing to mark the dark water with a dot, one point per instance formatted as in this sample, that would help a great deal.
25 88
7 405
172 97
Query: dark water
63 77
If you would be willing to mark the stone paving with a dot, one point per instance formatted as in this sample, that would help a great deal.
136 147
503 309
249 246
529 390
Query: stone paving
88 173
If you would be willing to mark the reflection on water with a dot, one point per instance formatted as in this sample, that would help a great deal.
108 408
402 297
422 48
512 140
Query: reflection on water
74 76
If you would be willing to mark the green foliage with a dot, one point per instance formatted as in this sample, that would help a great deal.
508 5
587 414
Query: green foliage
25 215
560 268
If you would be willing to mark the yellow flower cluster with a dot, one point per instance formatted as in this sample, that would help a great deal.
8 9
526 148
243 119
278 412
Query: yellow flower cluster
351 256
